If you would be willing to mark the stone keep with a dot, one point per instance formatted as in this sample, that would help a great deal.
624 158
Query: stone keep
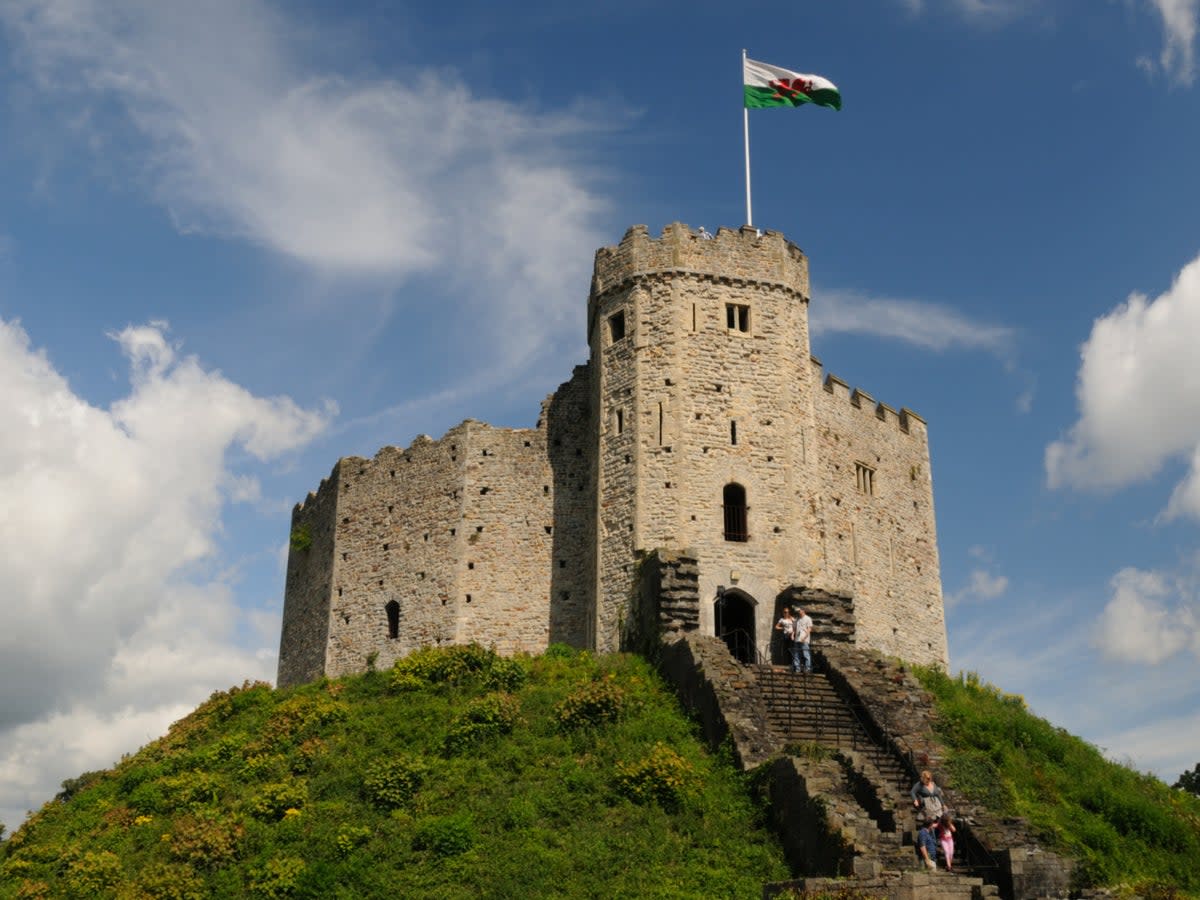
701 423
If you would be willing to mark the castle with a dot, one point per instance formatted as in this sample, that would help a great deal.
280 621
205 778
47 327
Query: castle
700 423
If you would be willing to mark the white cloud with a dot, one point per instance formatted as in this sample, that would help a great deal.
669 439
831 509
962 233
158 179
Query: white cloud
921 324
1140 624
1138 391
982 586
236 135
985 11
1179 20
114 609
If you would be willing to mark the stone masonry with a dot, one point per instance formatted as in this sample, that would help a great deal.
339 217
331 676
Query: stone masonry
700 421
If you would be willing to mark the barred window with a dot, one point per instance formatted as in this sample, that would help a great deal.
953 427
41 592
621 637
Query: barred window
735 513
865 478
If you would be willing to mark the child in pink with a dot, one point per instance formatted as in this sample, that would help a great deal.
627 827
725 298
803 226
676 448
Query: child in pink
945 836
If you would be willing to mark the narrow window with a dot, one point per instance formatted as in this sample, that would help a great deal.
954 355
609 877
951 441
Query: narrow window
737 317
865 478
620 421
660 424
693 317
735 513
733 432
616 326
393 619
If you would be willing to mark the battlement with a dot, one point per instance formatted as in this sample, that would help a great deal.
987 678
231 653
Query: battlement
905 420
731 255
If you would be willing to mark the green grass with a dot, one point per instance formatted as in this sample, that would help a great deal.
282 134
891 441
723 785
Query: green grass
456 775
1125 827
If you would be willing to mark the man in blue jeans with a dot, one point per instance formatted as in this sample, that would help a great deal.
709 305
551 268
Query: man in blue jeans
927 844
802 628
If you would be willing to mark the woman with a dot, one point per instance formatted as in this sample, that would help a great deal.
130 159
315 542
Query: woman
927 798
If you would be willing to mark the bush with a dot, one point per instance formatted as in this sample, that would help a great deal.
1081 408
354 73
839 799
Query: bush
663 777
596 703
162 881
507 674
484 718
274 800
351 837
92 874
445 835
442 665
391 783
205 840
279 877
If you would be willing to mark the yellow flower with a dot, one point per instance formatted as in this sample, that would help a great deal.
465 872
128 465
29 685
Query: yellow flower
143 820
291 813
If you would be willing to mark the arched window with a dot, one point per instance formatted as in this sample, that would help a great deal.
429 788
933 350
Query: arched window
393 617
735 513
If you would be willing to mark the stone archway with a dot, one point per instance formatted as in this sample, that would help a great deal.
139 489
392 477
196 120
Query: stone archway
733 615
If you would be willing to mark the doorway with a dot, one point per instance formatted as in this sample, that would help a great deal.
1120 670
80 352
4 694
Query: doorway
733 613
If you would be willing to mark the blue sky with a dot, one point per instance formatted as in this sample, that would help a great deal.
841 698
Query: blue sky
239 240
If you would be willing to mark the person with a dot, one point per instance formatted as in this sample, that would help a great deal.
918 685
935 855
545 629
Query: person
945 836
927 798
704 235
804 627
927 844
787 625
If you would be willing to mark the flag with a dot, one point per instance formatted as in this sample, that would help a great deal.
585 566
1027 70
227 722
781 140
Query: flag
766 85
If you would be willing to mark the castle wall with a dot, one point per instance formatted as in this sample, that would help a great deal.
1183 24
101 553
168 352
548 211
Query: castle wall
700 380
879 536
310 572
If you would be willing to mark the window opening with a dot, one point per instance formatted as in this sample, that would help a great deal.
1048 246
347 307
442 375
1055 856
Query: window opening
620 421
865 477
393 619
733 432
616 326
737 317
734 498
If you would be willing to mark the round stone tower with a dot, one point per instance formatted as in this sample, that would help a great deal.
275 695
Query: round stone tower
703 389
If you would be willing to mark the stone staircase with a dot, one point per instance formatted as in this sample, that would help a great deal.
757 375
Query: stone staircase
806 712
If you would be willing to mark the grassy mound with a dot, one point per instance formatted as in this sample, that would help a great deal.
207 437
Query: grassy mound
458 773
1123 826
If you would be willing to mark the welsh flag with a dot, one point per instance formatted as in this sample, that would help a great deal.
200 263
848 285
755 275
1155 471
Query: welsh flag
767 85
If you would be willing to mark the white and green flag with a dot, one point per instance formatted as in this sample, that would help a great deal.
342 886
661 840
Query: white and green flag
766 86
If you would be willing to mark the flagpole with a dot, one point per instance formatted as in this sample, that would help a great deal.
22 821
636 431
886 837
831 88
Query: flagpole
746 139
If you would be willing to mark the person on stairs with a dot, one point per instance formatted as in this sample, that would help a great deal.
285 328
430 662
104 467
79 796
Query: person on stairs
787 625
804 627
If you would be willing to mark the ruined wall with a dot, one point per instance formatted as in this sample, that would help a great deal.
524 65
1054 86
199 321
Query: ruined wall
875 509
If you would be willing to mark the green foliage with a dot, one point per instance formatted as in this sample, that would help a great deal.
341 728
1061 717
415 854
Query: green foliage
454 665
445 836
596 703
73 786
1125 828
301 538
352 777
391 783
484 718
662 777
1188 781
351 837
278 877
165 881
273 800
94 873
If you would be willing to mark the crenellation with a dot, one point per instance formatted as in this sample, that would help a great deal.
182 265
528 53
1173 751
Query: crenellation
696 422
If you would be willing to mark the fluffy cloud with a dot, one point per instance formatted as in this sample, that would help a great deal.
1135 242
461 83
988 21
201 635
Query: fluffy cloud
1138 392
235 134
115 608
1140 624
982 586
1179 20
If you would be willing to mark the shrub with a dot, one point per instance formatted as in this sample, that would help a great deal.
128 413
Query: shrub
391 783
274 800
662 777
441 665
484 718
301 538
164 881
351 837
507 674
279 877
445 835
596 703
205 840
93 873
